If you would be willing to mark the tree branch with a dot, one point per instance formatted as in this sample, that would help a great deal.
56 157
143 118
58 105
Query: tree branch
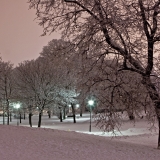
145 23
82 6
155 39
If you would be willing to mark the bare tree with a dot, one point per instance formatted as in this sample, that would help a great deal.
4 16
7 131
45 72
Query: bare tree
6 85
61 53
128 29
115 92
37 80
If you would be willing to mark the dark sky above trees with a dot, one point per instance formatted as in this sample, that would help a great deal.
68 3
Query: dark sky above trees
19 34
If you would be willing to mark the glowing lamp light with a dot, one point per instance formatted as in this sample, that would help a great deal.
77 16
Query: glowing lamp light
17 106
91 102
77 105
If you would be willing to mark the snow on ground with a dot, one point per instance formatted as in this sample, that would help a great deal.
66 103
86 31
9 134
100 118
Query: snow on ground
58 141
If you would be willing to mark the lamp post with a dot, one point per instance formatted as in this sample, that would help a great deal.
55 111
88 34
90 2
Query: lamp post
17 106
90 103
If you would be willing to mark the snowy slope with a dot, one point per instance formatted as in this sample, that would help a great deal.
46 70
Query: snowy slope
24 143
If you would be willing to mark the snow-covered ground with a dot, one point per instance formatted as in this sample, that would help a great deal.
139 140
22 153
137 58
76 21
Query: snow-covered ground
58 141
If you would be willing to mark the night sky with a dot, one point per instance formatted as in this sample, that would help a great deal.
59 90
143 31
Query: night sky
19 33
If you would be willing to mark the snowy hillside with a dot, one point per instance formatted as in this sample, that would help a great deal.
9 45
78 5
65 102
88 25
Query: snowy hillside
24 143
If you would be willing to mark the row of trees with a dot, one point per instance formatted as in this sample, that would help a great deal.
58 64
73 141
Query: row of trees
61 77
6 85
45 83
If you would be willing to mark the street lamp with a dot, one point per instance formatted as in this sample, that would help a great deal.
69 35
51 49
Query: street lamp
90 103
17 106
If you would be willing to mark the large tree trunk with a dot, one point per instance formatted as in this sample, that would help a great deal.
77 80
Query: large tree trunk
158 118
159 132
153 93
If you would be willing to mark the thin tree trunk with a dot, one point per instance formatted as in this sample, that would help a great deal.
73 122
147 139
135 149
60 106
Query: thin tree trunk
64 113
7 116
74 118
80 111
10 117
49 114
40 118
20 117
7 112
73 112
60 116
3 118
130 114
82 108
30 119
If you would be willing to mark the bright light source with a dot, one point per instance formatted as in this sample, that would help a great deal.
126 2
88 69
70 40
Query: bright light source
17 106
91 102
77 105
